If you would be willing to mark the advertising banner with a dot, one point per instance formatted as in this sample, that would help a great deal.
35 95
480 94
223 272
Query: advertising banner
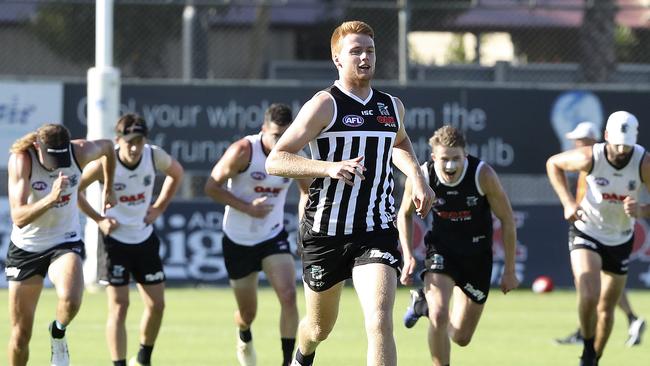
24 106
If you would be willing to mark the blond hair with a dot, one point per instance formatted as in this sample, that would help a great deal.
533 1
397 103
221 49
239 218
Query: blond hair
447 136
51 134
351 27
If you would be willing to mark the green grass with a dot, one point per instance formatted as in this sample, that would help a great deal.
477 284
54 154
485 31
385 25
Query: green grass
517 329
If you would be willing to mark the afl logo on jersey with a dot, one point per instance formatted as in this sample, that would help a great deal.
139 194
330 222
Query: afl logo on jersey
601 181
39 185
258 175
119 186
439 202
352 120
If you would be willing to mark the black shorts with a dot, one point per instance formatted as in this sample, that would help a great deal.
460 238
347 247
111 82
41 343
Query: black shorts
21 264
471 273
242 260
328 260
615 258
140 260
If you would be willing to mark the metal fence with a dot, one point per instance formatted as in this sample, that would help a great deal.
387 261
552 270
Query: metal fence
417 40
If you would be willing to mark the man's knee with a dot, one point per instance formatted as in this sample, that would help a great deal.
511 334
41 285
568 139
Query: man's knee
20 337
460 338
156 307
439 316
287 297
381 322
589 295
247 315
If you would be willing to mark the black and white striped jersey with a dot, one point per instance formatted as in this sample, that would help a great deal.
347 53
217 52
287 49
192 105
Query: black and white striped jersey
359 128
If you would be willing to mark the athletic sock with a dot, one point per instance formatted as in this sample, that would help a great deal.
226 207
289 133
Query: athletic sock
144 354
588 351
287 349
303 360
119 363
631 317
245 335
57 330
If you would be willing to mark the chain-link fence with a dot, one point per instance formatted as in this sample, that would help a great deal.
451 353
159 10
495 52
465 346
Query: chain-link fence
417 40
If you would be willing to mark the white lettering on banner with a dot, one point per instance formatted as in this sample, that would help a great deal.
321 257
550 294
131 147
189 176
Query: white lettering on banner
24 106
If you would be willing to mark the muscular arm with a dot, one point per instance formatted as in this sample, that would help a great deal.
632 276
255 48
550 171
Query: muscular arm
405 229
501 208
174 176
630 205
285 160
572 160
22 213
87 151
234 161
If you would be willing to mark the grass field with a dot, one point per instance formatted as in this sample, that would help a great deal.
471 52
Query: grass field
516 329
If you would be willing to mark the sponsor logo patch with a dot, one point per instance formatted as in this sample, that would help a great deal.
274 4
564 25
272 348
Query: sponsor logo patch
352 120
601 181
258 175
39 185
119 186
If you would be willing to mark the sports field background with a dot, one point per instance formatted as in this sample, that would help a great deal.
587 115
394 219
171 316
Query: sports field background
516 330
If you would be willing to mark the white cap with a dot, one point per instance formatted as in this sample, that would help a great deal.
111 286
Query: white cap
622 128
584 130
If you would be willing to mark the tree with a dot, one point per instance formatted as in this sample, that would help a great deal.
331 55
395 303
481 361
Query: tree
141 34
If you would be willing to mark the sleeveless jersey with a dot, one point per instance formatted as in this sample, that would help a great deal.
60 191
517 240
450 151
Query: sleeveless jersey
60 223
134 190
604 218
358 128
248 185
462 217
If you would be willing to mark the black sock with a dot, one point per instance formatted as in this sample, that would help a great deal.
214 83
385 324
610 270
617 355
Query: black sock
307 360
630 318
588 352
56 332
245 335
119 363
144 354
287 349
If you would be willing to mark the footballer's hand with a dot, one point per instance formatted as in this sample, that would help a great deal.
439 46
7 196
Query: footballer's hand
572 212
152 214
631 207
107 225
407 270
346 170
58 186
423 197
509 282
258 209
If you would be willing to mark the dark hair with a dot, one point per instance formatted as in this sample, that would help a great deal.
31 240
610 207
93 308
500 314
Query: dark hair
278 113
128 120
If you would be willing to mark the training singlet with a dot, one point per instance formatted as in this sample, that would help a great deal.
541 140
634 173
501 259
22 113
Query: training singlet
60 223
133 187
604 218
248 185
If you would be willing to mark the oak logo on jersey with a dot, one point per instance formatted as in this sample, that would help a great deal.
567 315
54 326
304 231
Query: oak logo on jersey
268 191
258 175
464 215
352 120
63 200
601 181
439 201
119 187
613 197
39 185
388 121
132 199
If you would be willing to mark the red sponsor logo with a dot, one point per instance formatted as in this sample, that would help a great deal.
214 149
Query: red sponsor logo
64 198
385 119
271 190
455 215
614 197
132 198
